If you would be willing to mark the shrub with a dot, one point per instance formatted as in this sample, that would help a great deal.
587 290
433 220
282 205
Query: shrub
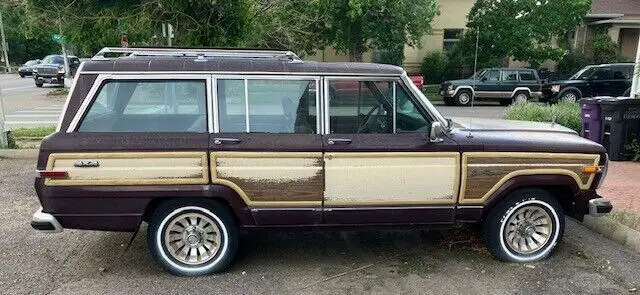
433 67
564 113
572 62
604 50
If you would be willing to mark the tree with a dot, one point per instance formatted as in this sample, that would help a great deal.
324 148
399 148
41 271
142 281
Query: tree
25 42
355 26
524 29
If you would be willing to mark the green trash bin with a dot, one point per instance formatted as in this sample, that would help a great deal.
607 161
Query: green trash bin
620 126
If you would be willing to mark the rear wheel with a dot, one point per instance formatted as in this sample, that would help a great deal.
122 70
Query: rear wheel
192 238
525 227
570 96
521 97
463 98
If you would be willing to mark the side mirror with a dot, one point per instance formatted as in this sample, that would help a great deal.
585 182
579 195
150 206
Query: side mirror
435 135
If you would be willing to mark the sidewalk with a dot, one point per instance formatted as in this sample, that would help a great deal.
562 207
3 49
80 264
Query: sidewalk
622 186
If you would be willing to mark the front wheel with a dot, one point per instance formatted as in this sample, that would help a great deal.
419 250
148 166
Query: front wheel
192 238
525 227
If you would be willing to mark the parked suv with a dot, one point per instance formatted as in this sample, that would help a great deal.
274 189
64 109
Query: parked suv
27 68
502 84
51 70
591 81
202 143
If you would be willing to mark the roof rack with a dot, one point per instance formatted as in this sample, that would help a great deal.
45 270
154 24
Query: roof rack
108 53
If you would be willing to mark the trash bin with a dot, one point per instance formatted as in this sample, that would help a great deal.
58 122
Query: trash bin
591 120
620 125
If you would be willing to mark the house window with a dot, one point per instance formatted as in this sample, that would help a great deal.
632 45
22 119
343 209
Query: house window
451 38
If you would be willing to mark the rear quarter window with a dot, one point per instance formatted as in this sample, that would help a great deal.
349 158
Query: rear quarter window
527 76
148 106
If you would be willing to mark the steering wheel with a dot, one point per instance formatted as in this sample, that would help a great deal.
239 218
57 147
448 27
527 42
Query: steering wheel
373 123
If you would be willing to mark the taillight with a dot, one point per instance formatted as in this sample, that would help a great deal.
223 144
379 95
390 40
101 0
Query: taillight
53 174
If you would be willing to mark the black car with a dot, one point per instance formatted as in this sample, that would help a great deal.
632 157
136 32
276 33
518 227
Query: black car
505 85
591 81
51 70
27 68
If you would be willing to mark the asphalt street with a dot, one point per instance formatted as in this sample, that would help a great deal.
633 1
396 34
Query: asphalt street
26 105
378 262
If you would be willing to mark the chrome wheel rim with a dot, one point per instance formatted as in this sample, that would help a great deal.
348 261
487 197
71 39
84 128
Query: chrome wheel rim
528 230
464 98
521 98
571 97
192 238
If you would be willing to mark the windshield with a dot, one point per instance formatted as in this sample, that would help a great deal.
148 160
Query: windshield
583 74
478 74
53 59
31 63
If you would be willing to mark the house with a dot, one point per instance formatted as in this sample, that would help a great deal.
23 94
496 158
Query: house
620 17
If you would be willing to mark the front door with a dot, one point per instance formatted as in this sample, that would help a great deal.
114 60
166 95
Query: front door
489 85
266 145
380 167
601 82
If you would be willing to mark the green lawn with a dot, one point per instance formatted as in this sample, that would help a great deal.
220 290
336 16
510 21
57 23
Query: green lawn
32 132
432 92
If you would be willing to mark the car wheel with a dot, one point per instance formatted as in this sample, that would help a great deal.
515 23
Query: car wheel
38 84
192 238
521 97
525 227
463 98
22 75
570 96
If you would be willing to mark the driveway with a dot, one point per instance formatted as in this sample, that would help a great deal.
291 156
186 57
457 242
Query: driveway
378 262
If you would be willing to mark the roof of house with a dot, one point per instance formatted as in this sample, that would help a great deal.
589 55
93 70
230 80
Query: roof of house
626 7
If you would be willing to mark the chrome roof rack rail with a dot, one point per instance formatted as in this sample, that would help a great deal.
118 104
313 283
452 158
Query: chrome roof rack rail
109 53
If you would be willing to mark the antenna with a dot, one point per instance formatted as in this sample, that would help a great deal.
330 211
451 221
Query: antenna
473 87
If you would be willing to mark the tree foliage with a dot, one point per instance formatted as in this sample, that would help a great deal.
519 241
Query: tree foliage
355 26
524 29
25 42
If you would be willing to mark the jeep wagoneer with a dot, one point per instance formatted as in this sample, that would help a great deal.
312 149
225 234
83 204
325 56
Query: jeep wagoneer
201 143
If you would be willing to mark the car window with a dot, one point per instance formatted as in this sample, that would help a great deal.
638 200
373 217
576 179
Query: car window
31 63
492 75
527 76
583 74
509 76
148 106
273 106
53 59
601 74
622 73
408 115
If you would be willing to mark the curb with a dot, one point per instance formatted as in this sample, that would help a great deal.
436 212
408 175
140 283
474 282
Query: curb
615 231
19 154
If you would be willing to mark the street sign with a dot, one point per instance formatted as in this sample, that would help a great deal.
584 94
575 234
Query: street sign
58 38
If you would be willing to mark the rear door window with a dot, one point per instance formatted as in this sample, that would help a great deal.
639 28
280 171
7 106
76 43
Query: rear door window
148 106
267 106
509 76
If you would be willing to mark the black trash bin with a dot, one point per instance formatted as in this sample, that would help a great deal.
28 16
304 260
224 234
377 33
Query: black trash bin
620 125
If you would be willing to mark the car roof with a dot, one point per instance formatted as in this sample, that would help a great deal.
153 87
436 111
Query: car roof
179 64
614 64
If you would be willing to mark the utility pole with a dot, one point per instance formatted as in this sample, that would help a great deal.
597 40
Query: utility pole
4 142
635 86
4 44
64 50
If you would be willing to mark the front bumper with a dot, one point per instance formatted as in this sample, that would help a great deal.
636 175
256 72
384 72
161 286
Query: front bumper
599 207
45 222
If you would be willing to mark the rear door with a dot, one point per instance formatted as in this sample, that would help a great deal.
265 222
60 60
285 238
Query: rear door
135 138
267 146
380 167
601 82
509 83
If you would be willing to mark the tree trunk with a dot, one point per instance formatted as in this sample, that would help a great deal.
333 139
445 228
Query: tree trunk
355 54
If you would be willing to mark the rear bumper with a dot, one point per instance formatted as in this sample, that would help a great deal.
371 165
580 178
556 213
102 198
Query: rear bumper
45 222
599 207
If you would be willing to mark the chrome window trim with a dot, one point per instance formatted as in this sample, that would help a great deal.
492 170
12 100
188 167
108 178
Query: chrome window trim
246 78
422 99
212 106
395 108
243 74
92 95
66 103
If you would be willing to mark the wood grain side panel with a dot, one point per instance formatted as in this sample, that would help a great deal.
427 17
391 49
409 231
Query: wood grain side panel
139 168
272 178
484 173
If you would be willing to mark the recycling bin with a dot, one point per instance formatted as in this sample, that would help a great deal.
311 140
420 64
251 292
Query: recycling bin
620 125
591 119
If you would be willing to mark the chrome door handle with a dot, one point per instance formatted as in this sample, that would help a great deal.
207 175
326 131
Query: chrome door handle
334 141
219 141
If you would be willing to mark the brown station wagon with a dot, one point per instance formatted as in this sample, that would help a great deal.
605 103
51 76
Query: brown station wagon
201 143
